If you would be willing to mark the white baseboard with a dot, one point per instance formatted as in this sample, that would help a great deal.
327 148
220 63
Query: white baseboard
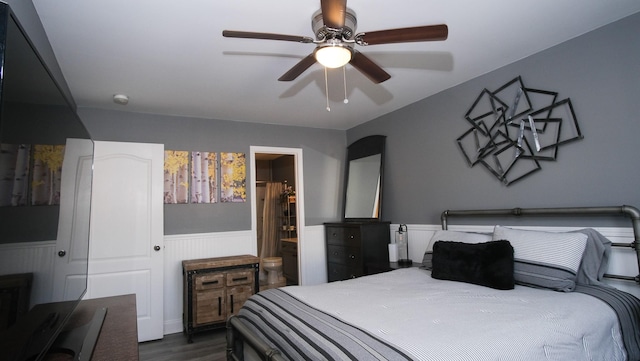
173 326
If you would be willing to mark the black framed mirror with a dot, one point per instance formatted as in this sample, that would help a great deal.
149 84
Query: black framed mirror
364 179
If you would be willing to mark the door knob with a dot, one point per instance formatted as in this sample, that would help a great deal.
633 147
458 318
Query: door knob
62 253
156 248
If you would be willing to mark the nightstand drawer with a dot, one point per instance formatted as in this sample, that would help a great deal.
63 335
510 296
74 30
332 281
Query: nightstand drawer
239 278
208 281
237 297
209 306
344 255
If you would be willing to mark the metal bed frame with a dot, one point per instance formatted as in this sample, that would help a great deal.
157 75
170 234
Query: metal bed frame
630 211
238 334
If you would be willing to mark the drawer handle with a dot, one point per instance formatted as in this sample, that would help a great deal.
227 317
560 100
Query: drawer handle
219 306
335 253
352 256
240 279
209 283
352 236
231 303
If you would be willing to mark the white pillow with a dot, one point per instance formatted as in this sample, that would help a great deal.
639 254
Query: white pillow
544 259
455 236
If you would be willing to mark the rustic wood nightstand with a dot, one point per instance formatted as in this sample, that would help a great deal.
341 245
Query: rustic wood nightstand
215 289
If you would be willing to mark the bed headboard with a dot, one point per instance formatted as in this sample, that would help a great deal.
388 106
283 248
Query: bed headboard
622 211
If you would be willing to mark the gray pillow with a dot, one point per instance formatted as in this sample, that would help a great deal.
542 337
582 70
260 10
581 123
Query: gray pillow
544 259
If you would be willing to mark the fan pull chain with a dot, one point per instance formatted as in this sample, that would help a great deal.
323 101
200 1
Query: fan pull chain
326 88
344 76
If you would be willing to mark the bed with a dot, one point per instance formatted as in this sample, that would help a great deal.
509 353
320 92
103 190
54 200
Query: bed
500 295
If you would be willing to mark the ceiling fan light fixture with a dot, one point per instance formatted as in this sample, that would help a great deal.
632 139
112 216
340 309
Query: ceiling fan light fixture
333 55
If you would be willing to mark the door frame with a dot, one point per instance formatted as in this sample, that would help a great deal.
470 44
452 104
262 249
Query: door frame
299 181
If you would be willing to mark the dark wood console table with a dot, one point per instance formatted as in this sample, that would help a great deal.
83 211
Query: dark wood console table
118 338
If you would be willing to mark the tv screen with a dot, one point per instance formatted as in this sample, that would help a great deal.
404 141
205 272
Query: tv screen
46 157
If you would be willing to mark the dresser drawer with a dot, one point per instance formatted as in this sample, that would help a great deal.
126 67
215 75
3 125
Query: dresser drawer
244 277
344 255
338 272
208 281
343 236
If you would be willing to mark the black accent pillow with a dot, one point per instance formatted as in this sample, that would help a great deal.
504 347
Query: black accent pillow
487 264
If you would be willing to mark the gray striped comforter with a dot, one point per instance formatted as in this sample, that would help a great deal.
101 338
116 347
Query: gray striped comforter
627 308
302 332
408 315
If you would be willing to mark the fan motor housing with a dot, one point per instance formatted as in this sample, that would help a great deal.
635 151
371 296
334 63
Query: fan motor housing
322 32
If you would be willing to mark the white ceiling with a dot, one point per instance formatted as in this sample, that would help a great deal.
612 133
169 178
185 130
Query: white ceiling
169 57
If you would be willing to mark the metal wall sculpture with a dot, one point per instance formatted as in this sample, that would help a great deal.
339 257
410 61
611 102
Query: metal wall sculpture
515 128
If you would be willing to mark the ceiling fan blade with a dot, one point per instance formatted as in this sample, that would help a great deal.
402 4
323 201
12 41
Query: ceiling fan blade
405 35
367 67
265 36
299 68
333 12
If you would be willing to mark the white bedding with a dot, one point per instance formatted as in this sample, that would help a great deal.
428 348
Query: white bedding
443 320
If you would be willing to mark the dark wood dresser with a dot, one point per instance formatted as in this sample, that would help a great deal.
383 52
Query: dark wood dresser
351 246
118 338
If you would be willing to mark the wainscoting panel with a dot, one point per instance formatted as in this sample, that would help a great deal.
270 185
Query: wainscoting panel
313 256
27 257
177 248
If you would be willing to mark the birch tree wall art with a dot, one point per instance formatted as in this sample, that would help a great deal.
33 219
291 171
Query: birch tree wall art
47 174
14 174
176 176
233 177
204 187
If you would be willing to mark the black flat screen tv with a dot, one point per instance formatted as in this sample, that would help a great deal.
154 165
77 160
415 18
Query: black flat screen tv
46 157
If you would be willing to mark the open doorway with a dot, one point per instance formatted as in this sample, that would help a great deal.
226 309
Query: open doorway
277 214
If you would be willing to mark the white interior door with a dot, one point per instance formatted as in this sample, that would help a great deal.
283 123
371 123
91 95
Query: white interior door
70 268
125 254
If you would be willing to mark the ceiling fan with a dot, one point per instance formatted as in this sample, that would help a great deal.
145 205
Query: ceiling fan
334 26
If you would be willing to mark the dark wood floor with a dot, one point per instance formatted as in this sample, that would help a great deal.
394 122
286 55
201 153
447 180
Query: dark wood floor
209 346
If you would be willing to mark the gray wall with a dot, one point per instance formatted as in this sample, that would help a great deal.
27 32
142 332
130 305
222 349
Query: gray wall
323 157
323 150
425 173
